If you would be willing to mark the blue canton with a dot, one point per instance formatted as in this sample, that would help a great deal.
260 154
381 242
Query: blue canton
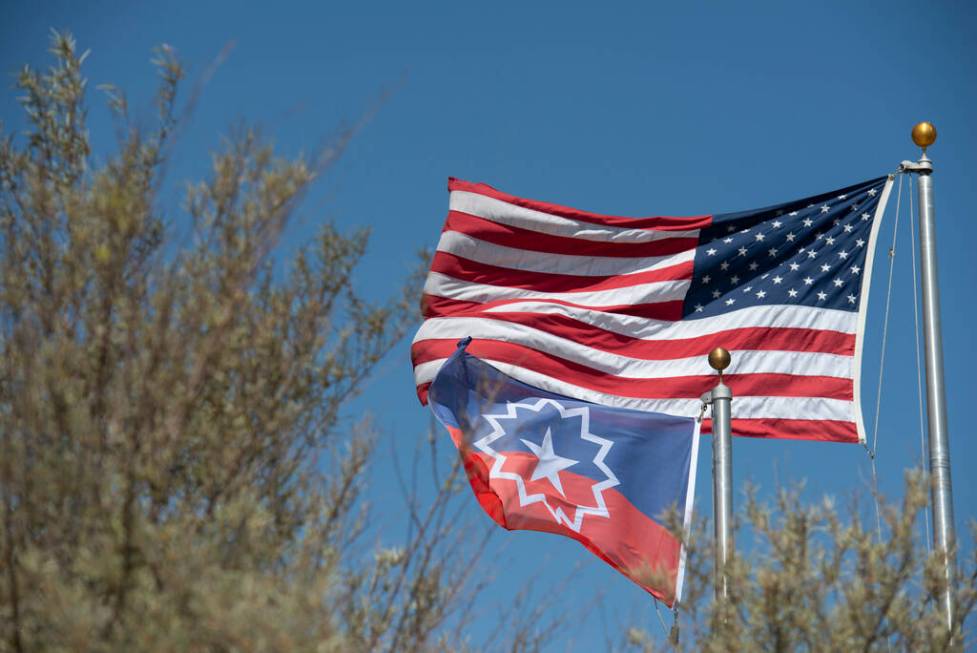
809 252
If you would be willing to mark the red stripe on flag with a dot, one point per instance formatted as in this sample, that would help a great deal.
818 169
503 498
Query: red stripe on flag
657 223
751 338
436 306
519 238
472 271
680 387
824 430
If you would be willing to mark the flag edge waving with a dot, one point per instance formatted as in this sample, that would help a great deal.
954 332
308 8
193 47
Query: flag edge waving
863 307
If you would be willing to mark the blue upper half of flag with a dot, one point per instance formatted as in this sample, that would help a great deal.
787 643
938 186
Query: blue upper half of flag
809 252
644 456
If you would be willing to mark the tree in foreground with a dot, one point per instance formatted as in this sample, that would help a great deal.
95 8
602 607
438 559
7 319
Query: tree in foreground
174 470
813 581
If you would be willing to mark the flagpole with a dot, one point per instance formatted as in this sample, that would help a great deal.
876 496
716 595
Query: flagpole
722 470
944 536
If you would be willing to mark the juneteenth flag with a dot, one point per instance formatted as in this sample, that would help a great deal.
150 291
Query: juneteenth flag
623 311
606 477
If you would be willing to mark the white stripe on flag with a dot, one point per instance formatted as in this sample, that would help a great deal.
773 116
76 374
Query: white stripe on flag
530 219
488 253
775 315
744 361
648 293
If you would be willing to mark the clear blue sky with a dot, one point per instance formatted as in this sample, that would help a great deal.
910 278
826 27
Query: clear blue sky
639 109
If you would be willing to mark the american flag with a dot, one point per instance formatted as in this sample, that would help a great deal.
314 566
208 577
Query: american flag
623 311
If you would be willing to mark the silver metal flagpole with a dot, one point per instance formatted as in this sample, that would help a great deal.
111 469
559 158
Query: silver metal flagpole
720 398
944 536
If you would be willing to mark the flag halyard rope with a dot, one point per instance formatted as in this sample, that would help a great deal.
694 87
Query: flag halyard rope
873 451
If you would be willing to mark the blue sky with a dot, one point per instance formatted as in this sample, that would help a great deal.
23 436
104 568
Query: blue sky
629 109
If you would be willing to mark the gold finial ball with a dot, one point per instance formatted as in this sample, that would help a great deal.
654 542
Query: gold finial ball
924 134
719 359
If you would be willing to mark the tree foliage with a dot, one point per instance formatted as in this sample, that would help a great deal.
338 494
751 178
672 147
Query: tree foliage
811 580
175 473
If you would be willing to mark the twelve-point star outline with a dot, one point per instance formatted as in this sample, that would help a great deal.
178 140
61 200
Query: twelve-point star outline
550 464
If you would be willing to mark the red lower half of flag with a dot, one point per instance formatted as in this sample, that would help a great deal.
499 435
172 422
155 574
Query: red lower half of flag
637 546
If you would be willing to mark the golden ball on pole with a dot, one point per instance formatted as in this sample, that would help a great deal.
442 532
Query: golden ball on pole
719 359
924 134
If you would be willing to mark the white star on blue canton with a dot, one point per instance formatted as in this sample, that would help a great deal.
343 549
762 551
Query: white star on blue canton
549 464
808 247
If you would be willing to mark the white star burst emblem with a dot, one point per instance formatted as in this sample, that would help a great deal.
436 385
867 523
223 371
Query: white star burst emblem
550 464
